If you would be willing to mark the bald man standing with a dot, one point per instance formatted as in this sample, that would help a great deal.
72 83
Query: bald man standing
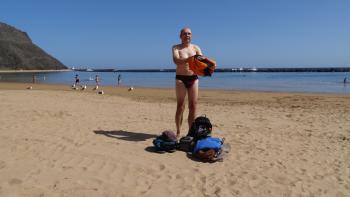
186 80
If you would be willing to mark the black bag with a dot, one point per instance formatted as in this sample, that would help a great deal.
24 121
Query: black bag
165 142
201 128
186 144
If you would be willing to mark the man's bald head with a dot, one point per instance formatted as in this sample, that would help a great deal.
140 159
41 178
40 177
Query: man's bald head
185 30
186 35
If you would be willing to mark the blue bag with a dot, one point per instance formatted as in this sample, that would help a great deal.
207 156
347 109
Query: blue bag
208 143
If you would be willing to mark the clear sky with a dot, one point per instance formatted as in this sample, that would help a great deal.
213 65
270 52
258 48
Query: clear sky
130 33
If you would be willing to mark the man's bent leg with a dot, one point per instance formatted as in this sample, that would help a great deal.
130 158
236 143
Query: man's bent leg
180 97
192 102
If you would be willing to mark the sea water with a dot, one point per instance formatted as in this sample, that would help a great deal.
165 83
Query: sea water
312 82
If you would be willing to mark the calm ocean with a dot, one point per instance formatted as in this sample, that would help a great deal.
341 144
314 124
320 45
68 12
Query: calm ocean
312 82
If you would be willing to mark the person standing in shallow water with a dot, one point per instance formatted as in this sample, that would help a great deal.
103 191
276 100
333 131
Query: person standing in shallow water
33 78
77 80
119 79
97 80
186 82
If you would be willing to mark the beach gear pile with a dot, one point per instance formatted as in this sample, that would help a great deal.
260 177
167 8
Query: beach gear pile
165 142
198 143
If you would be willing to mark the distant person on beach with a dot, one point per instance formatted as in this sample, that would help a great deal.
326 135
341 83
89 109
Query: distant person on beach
97 80
119 79
186 80
34 78
345 80
77 80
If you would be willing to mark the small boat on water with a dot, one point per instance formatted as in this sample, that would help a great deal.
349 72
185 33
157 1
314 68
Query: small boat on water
253 69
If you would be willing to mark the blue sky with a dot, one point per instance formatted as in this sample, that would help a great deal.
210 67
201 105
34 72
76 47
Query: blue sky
130 33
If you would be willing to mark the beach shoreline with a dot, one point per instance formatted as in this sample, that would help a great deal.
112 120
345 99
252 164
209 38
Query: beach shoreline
56 141
164 94
329 83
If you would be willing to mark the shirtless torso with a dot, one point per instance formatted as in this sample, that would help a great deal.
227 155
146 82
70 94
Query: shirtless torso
181 52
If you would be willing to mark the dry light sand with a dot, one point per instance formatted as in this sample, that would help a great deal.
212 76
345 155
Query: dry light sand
55 141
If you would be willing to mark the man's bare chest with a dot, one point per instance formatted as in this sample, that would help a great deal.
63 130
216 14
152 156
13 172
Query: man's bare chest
187 52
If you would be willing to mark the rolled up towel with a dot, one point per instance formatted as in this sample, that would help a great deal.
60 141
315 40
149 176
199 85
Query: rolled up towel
201 66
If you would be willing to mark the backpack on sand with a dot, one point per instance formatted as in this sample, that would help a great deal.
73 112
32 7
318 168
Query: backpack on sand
186 144
165 142
201 128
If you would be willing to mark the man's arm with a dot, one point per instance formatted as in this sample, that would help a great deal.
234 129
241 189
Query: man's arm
198 50
176 57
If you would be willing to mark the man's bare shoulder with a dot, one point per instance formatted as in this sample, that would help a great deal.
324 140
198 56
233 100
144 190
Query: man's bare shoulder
177 46
197 49
195 46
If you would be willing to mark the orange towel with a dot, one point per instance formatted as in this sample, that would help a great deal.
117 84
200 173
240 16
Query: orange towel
203 67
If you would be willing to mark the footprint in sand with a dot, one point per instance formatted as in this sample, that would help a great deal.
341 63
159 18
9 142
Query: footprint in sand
280 180
15 181
161 167
217 191
2 164
255 182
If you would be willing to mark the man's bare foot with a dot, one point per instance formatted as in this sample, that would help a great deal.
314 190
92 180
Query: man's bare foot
177 135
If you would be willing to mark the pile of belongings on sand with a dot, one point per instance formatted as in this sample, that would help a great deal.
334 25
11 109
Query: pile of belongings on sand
198 143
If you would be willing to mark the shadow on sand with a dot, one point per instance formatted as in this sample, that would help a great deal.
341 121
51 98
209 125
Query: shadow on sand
152 149
126 135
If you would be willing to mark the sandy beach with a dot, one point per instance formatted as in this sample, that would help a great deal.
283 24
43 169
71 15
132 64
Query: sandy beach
55 141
